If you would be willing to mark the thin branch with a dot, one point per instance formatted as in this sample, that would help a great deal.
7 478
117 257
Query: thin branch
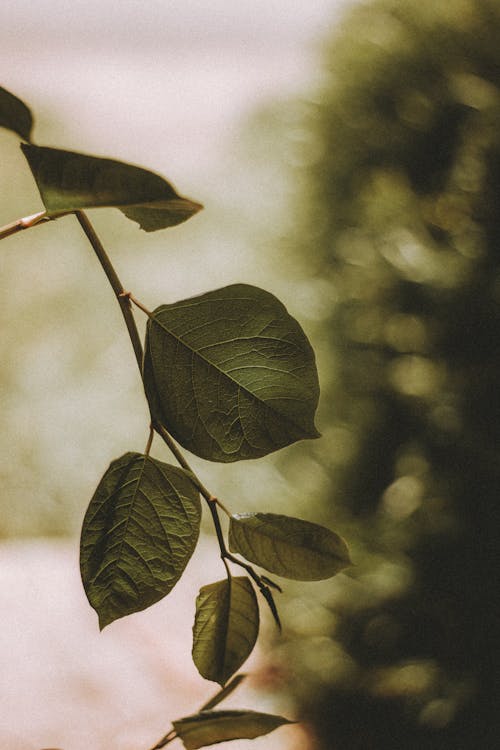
116 285
226 555
170 442
139 304
150 440
25 223
172 735
125 299
222 506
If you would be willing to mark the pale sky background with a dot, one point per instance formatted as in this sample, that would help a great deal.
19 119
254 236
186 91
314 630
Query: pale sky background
179 72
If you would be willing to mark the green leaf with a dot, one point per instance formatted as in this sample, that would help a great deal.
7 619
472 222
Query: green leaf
221 695
69 181
288 546
140 530
15 115
231 374
225 628
211 727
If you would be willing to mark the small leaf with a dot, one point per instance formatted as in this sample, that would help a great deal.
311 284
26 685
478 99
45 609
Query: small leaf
15 115
221 695
231 373
140 530
211 727
225 628
70 181
288 546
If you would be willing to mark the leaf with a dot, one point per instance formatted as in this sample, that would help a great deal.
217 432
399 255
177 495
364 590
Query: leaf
287 546
225 628
221 695
70 181
15 115
140 530
231 374
211 727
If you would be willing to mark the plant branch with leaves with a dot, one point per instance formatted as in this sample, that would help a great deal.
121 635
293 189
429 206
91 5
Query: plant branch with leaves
228 375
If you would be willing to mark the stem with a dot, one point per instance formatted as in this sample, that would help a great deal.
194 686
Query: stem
226 555
168 439
116 285
218 530
150 441
124 299
222 506
26 223
139 305
165 740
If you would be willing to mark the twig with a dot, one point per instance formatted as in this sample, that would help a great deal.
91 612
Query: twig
116 285
25 223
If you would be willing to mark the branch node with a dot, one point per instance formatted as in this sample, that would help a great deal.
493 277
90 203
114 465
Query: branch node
29 221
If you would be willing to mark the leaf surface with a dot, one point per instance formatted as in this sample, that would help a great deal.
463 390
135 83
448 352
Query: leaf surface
70 181
140 530
15 115
225 628
211 727
288 547
231 374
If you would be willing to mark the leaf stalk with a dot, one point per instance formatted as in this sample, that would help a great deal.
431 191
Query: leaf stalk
166 740
25 223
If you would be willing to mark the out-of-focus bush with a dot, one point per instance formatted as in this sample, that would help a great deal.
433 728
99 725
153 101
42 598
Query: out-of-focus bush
402 233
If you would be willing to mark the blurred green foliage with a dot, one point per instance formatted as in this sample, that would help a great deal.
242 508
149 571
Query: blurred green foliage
402 227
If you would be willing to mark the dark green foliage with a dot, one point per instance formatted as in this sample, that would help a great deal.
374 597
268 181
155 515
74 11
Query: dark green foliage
225 628
68 182
288 546
231 373
15 115
140 530
404 214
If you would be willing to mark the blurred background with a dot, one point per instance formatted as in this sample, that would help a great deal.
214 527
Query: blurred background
348 156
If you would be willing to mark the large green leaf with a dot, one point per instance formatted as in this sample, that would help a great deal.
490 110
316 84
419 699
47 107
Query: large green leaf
69 181
140 530
15 115
211 727
231 374
225 628
287 546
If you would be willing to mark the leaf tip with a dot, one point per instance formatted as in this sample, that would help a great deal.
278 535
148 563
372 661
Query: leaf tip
15 115
194 206
104 620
